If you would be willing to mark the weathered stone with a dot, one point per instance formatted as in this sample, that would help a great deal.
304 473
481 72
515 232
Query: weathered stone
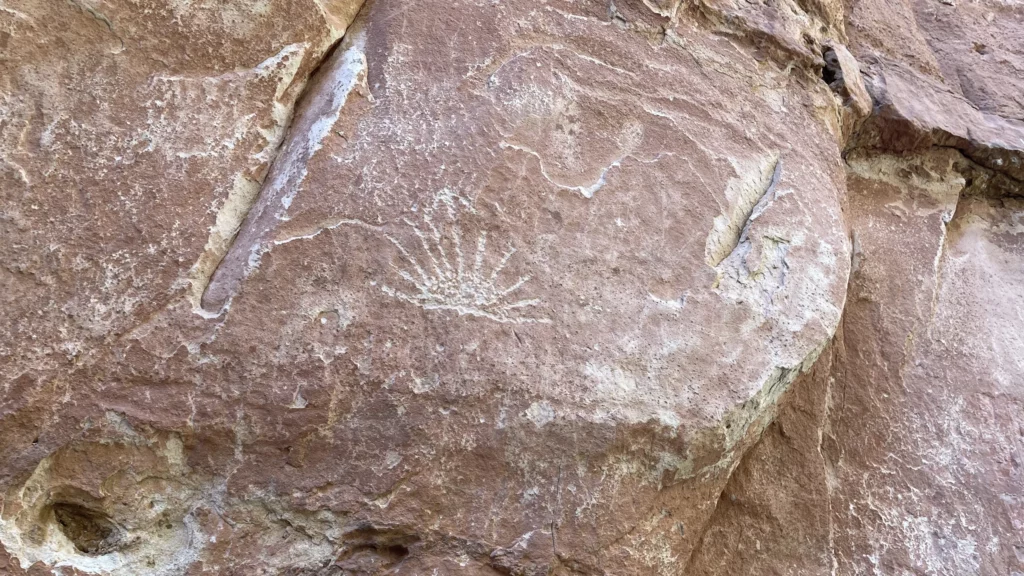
924 466
509 288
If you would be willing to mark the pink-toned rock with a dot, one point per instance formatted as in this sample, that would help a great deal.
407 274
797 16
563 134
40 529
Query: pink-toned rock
926 428
505 288
917 464
900 452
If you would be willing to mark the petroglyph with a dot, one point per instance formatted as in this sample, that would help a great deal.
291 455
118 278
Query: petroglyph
439 276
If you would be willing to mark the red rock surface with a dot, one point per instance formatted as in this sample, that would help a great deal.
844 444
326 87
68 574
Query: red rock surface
640 287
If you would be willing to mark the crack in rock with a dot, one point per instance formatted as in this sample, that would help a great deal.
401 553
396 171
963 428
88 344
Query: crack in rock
343 71
750 196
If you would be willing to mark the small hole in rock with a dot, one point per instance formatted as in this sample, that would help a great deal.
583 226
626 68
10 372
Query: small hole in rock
832 73
91 531
371 559
371 549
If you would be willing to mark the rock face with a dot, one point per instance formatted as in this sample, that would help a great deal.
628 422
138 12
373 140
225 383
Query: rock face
640 287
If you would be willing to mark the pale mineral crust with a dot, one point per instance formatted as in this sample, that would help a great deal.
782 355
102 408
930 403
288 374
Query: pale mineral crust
330 287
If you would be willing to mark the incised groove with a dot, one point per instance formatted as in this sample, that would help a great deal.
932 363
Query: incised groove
342 71
749 196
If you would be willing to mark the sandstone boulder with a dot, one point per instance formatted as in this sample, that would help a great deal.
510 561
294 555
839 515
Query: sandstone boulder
524 288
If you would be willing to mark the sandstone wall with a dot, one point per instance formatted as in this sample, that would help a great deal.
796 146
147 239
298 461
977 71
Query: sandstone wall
330 287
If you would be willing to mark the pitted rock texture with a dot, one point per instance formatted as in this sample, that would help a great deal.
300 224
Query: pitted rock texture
523 288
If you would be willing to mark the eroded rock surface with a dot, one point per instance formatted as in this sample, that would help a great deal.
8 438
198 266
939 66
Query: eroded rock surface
511 288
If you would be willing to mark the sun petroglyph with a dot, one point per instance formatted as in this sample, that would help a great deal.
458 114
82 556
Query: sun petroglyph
437 275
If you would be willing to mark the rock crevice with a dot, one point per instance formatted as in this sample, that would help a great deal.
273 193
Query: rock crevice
342 71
